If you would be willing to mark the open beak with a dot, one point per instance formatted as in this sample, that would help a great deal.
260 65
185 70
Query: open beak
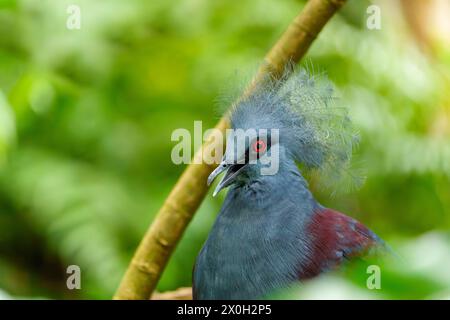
232 171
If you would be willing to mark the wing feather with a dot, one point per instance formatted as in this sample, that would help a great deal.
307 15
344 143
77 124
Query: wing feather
336 238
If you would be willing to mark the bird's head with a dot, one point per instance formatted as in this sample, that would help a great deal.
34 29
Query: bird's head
289 119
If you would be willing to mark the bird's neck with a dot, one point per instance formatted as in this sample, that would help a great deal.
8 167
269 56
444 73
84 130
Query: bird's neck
262 192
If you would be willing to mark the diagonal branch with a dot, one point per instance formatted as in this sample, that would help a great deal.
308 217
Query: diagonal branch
177 211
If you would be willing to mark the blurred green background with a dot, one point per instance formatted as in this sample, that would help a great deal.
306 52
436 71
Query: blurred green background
86 118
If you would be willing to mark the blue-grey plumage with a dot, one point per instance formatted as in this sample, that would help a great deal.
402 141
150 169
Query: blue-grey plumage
270 231
256 243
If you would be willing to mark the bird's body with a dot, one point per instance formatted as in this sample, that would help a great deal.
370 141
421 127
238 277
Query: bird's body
257 245
271 232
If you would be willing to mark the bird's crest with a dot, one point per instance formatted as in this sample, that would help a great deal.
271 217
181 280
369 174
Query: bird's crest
316 131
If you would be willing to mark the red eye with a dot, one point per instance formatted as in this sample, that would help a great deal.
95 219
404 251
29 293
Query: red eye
259 146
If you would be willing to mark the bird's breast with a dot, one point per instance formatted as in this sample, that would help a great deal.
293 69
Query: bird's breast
258 240
248 259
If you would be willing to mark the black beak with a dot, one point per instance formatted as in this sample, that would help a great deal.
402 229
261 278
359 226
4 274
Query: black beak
232 172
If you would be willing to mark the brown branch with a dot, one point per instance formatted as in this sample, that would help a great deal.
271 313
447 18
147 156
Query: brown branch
177 211
179 294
